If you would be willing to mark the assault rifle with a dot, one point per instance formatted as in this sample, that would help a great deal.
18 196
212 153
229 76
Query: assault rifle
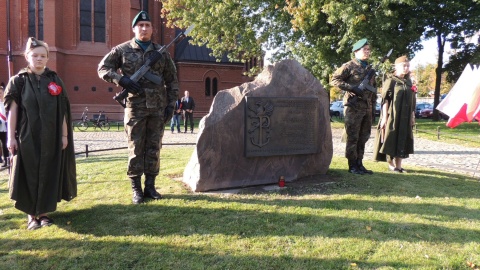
365 84
143 71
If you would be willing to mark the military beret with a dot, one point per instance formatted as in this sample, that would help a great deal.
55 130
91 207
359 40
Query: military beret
33 43
359 44
401 59
141 16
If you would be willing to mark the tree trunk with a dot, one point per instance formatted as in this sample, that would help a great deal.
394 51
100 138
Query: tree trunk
438 72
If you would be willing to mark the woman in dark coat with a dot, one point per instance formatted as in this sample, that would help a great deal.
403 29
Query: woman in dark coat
40 138
394 137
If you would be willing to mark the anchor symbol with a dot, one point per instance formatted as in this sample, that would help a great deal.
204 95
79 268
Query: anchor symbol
262 111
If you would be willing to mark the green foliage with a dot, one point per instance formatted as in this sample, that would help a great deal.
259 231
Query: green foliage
320 33
425 76
468 53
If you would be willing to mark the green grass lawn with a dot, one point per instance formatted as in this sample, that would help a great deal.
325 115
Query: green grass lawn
425 219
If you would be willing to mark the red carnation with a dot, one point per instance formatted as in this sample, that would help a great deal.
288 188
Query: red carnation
54 89
414 88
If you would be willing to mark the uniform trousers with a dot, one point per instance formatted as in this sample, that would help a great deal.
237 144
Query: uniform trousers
144 128
358 126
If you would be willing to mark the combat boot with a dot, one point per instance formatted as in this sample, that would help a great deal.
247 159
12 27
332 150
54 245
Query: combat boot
362 168
353 167
137 190
149 190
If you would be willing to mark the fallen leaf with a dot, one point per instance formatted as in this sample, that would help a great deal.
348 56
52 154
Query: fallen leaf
69 222
369 228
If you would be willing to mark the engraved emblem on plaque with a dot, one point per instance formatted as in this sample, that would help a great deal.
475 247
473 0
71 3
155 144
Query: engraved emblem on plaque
259 131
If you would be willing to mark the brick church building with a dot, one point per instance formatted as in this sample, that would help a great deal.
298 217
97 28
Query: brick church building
81 32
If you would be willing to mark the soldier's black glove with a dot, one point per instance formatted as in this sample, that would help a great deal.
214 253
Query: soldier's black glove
357 91
154 57
131 86
168 114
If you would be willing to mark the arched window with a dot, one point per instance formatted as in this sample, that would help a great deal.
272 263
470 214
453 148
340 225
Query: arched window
215 86
207 87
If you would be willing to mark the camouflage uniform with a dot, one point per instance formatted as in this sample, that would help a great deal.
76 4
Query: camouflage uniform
358 118
144 114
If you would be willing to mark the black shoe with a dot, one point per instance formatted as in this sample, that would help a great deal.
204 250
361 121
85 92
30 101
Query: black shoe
33 224
149 191
45 221
137 190
355 170
362 168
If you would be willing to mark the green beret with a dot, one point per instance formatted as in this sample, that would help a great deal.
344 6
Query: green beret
141 16
359 44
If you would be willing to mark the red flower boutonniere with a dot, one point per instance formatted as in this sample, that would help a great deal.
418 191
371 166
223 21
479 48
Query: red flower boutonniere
414 88
54 89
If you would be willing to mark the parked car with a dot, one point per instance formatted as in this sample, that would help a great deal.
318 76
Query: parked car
422 106
428 113
336 108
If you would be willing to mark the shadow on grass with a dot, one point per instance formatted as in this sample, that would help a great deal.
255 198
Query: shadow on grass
86 254
154 219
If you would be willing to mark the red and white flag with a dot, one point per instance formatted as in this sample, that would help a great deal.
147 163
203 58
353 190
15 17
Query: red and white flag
462 104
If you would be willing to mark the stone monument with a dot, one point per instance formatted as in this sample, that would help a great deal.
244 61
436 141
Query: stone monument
277 125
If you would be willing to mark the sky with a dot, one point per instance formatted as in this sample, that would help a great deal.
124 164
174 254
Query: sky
429 54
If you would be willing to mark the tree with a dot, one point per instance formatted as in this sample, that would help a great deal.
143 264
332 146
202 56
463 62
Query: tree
320 33
450 20
467 53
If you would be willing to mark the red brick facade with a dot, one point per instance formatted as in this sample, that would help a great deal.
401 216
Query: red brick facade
76 61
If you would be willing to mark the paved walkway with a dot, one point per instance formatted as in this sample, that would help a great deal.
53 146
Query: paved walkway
432 154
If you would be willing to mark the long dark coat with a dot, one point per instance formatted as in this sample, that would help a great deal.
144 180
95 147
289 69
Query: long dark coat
42 174
398 138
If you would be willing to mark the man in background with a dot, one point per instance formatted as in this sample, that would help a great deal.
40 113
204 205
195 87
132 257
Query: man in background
188 105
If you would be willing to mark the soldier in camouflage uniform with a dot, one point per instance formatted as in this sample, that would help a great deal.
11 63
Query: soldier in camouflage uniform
358 115
148 105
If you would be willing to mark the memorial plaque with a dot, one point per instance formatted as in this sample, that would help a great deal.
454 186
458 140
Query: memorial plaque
281 126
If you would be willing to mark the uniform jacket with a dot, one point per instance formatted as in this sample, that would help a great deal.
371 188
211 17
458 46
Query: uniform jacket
350 75
128 57
42 173
398 138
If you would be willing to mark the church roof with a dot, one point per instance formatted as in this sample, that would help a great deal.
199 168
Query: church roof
184 51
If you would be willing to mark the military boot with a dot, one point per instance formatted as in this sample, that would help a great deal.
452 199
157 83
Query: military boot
353 167
362 168
137 189
149 190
